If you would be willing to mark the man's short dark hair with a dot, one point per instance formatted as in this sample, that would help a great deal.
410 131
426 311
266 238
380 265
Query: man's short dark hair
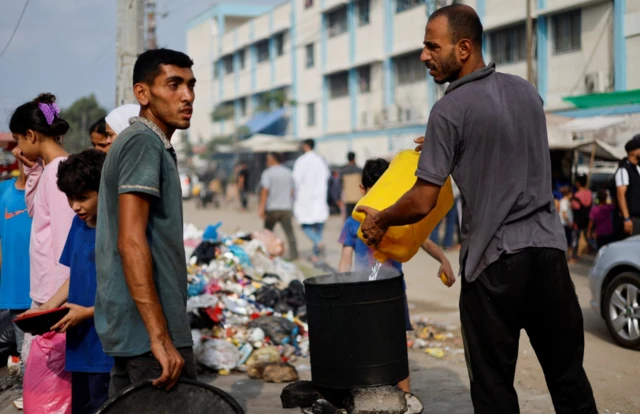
351 156
99 127
582 180
309 143
464 23
633 144
147 67
276 156
80 173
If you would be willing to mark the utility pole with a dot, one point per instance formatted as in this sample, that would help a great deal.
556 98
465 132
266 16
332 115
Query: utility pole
129 44
529 43
152 42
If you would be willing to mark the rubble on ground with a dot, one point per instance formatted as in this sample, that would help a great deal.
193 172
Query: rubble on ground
246 304
434 338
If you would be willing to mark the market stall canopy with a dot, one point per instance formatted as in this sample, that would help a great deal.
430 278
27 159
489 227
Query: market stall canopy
270 143
593 124
604 151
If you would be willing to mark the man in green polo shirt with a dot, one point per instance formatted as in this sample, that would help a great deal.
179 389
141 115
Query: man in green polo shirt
140 310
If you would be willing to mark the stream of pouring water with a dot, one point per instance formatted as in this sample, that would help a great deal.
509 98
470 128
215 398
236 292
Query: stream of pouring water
375 270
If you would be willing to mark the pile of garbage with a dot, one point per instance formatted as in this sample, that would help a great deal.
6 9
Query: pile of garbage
434 338
246 304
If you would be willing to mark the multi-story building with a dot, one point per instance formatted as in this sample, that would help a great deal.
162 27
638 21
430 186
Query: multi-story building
348 73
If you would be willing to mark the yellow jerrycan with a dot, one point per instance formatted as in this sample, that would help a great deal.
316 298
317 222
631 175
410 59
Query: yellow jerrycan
403 242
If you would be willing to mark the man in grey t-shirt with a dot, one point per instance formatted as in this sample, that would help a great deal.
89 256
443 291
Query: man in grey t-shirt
489 133
140 311
276 199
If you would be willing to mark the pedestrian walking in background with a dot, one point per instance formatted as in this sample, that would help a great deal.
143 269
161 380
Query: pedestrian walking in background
351 178
627 192
566 217
581 206
38 128
276 199
514 271
334 197
242 182
140 310
311 177
601 220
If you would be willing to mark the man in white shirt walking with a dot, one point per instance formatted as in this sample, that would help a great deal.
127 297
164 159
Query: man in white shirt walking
311 176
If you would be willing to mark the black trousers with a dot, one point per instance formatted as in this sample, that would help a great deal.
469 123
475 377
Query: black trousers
530 290
285 218
89 391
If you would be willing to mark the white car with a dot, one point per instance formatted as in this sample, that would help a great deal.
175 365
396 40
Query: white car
615 290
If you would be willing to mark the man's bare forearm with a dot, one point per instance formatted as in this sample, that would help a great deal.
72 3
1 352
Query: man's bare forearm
622 202
413 206
138 273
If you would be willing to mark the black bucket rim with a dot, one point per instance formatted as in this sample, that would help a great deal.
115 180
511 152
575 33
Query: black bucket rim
396 274
141 384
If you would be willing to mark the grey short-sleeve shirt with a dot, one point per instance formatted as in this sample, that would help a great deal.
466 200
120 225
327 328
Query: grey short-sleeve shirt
489 132
138 162
278 180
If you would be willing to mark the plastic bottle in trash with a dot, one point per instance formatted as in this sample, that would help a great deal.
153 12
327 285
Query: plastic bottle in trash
403 242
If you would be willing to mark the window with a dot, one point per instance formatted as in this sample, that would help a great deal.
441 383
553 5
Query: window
409 69
567 31
363 11
310 55
227 62
509 45
402 5
308 4
339 85
262 50
337 22
242 103
280 44
241 59
216 70
311 114
364 79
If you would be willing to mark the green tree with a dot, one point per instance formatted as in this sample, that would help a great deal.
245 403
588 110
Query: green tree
80 116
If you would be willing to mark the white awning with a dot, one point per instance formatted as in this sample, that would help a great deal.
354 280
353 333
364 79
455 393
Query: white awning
593 124
270 143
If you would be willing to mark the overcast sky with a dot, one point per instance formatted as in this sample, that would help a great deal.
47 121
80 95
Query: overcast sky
67 47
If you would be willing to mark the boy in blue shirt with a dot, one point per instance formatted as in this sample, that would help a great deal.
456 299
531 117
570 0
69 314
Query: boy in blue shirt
15 233
352 246
79 179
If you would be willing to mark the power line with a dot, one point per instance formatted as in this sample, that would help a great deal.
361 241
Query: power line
15 29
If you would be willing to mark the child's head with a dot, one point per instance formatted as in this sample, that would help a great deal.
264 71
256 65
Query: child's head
566 191
603 194
371 173
101 136
35 123
79 180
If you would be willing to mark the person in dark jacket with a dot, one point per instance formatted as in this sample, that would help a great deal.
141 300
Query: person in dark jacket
627 179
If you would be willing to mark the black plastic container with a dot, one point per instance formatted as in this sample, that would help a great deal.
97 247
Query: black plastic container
357 331
187 397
